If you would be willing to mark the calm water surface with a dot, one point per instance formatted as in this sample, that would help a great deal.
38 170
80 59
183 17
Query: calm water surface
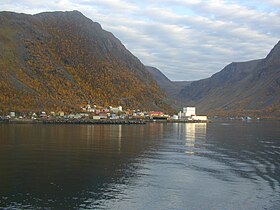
232 165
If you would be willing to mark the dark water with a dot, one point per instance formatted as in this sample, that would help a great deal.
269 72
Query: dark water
233 165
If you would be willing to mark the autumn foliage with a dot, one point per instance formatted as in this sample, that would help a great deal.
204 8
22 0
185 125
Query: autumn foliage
60 61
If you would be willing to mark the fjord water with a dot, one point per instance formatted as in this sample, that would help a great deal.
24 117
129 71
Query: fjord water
232 165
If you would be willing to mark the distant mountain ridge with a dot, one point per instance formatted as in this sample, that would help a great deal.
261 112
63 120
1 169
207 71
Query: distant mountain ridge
171 88
61 60
241 88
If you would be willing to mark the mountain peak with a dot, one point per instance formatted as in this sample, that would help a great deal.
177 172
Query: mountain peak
275 52
59 60
76 12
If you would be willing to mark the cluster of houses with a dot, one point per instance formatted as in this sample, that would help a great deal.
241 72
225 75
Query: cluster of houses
188 114
111 113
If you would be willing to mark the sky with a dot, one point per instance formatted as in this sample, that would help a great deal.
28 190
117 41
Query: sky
185 39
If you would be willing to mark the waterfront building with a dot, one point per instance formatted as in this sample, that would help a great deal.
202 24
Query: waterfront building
116 109
158 115
12 114
175 117
199 118
188 111
60 114
43 114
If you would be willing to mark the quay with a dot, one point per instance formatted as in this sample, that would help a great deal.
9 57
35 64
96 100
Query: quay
96 122
74 121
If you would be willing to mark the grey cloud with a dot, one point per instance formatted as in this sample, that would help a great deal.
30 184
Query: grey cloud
186 45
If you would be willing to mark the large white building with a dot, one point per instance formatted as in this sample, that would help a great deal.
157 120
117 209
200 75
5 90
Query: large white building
188 111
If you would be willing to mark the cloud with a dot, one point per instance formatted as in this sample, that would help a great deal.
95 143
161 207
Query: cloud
274 3
110 5
187 40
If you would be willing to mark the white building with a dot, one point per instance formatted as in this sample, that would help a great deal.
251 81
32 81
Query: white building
12 114
96 117
199 118
180 114
175 117
188 111
116 109
88 108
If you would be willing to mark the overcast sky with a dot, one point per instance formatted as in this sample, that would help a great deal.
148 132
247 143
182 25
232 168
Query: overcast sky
185 39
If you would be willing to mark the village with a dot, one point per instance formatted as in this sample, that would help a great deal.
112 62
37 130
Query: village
93 114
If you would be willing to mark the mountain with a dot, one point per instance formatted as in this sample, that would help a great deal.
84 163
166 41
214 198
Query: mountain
241 88
171 88
62 60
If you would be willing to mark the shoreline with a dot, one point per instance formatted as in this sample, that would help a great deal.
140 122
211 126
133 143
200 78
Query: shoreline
115 122
93 122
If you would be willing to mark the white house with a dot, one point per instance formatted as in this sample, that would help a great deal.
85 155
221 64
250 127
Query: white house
116 109
12 114
175 117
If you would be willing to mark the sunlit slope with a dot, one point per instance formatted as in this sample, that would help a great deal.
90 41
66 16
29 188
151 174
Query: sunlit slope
61 60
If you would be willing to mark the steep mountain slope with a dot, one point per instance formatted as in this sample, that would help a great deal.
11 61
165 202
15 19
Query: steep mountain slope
171 88
244 88
61 60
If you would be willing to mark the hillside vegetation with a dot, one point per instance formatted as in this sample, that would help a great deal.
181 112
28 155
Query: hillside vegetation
62 60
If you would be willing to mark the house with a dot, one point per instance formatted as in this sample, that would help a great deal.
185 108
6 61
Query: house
114 117
175 117
52 113
138 115
156 115
34 116
84 115
70 116
96 117
115 109
78 116
88 108
104 115
12 114
43 114
60 114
